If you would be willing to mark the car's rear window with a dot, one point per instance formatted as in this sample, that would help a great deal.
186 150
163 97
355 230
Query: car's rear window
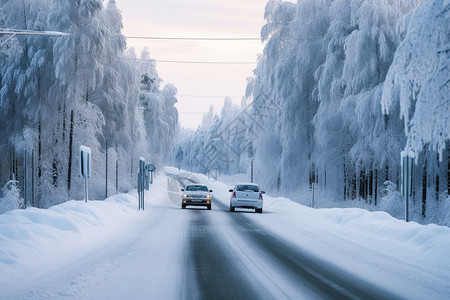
247 188
194 188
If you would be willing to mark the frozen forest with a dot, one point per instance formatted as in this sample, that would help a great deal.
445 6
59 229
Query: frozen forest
83 88
341 88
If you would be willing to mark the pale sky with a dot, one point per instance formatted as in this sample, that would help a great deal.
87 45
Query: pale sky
198 18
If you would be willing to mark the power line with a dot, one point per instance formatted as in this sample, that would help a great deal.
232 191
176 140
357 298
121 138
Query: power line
195 38
207 96
219 38
193 61
206 62
9 31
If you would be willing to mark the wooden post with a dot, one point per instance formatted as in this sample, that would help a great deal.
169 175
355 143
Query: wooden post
25 178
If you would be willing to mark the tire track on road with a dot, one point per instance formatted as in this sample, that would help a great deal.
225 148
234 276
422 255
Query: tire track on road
328 281
209 264
209 274
324 279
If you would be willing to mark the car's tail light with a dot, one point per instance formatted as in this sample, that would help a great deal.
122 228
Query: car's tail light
234 195
260 196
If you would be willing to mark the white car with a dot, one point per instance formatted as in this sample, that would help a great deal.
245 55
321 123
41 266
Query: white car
196 195
246 195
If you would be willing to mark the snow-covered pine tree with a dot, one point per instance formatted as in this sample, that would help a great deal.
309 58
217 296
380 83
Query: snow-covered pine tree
418 84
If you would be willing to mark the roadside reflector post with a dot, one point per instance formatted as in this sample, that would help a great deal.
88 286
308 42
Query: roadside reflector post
407 168
85 168
141 178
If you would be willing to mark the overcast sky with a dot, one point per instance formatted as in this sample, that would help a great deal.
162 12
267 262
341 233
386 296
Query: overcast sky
198 18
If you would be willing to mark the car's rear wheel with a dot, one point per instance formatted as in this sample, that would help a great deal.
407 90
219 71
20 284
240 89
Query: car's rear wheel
258 210
231 208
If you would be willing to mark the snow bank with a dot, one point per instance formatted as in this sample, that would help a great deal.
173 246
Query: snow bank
422 243
32 238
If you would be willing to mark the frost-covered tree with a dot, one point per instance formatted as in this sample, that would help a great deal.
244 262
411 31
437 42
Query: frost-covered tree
323 67
25 75
361 41
281 85
418 86
159 112
208 118
57 93
112 98
419 78
221 144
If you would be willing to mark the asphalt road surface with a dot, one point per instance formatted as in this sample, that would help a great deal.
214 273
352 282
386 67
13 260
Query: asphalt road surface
219 270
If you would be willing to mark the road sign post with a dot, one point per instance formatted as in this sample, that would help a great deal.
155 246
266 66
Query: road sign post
151 169
146 177
85 168
251 171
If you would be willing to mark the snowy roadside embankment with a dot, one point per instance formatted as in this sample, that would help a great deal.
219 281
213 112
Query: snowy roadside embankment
29 236
409 258
32 239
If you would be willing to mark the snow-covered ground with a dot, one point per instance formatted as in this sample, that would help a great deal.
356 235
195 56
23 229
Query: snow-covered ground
108 249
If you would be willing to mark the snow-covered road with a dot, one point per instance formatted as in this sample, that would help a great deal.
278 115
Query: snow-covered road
288 252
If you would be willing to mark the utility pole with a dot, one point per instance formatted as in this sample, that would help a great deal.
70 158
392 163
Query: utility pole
106 169
407 167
